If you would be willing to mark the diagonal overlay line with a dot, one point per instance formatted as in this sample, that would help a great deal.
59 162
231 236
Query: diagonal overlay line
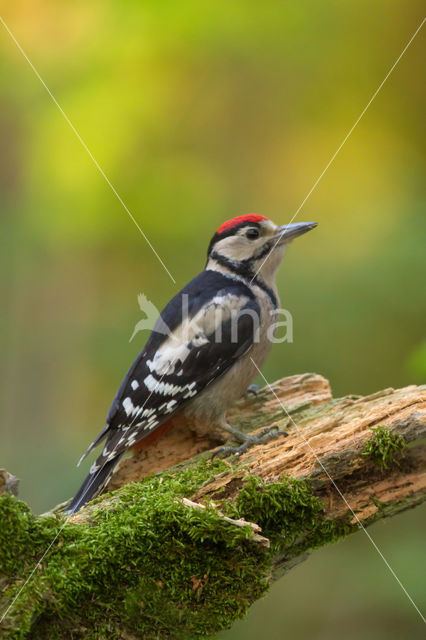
68 517
86 148
358 521
40 560
329 163
100 170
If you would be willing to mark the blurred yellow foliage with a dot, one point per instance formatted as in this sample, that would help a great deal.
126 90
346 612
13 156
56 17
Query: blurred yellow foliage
198 112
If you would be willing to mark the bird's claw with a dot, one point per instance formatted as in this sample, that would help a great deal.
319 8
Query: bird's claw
264 436
253 389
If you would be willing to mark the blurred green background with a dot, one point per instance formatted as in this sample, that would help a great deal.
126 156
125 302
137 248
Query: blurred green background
198 112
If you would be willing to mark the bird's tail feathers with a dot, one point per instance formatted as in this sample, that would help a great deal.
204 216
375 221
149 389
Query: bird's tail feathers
96 441
92 485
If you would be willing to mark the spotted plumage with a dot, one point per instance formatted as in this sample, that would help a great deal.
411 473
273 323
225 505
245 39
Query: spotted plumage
212 324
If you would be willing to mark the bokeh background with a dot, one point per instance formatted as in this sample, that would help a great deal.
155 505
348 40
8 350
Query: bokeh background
198 112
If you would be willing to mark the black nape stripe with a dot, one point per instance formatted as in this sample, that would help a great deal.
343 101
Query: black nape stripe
266 249
245 270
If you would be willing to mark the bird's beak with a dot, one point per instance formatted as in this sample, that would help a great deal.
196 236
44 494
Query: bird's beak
288 232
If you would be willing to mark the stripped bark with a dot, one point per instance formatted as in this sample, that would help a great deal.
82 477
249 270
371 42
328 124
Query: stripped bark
327 443
324 444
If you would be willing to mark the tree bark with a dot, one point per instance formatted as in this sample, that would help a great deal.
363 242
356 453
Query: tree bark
185 552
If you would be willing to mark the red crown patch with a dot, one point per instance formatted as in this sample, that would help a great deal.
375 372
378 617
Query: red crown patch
249 217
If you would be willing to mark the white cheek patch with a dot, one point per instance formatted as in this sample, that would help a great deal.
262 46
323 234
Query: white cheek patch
237 247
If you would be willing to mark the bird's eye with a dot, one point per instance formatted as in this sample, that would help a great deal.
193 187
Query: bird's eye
252 234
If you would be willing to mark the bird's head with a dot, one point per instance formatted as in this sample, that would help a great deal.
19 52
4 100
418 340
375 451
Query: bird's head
252 244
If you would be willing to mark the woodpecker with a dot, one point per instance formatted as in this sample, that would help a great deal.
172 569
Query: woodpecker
204 349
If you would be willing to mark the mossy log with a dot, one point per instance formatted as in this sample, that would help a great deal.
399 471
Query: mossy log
185 544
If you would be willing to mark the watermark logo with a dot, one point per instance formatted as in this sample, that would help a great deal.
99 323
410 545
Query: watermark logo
216 322
152 315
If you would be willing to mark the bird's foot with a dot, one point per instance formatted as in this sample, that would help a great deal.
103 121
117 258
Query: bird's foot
253 389
248 441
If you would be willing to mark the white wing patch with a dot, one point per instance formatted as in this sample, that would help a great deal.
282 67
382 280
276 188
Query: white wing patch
134 421
170 355
193 333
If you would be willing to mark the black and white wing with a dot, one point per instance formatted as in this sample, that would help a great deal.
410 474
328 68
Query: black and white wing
210 323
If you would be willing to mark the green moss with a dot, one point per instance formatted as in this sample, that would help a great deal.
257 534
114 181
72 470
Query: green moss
384 446
289 514
147 563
